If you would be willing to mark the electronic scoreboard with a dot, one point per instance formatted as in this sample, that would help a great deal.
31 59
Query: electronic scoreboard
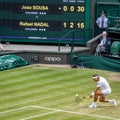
45 21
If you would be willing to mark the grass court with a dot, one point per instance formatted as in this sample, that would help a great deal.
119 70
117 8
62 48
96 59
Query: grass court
48 93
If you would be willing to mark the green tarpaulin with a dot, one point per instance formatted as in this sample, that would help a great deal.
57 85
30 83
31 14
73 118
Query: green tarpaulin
96 62
115 48
11 61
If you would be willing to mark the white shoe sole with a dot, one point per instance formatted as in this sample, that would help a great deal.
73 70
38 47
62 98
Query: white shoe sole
92 106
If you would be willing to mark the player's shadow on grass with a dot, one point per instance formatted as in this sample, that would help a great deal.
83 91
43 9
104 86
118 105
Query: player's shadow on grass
105 106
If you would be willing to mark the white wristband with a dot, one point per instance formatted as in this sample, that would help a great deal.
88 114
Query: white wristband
92 93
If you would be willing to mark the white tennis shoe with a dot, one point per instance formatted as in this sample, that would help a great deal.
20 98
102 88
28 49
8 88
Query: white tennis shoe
113 102
93 105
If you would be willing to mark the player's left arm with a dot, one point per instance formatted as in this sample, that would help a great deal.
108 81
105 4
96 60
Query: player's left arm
96 89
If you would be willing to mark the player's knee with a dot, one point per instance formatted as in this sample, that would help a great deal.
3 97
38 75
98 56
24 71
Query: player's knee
101 100
95 93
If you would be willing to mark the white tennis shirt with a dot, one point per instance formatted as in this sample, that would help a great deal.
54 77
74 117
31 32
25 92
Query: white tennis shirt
103 84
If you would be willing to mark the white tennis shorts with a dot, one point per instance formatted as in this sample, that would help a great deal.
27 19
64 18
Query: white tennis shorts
106 91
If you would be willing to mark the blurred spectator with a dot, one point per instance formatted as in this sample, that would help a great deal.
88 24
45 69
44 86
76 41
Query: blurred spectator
102 22
104 45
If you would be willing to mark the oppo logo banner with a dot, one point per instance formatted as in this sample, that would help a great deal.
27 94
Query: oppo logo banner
53 59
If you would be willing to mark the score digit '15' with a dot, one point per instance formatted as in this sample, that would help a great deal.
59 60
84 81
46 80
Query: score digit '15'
72 25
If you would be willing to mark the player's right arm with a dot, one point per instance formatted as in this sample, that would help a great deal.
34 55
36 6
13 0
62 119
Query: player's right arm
94 92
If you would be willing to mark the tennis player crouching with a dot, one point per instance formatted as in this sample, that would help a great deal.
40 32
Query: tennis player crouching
102 90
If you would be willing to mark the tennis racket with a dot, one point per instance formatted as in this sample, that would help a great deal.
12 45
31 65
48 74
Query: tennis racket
81 99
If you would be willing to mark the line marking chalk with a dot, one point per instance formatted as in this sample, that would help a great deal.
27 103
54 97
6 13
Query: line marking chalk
78 113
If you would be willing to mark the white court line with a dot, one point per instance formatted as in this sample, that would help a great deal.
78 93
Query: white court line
39 115
78 113
56 110
14 110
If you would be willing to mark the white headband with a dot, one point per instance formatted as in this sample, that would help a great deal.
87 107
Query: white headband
95 77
